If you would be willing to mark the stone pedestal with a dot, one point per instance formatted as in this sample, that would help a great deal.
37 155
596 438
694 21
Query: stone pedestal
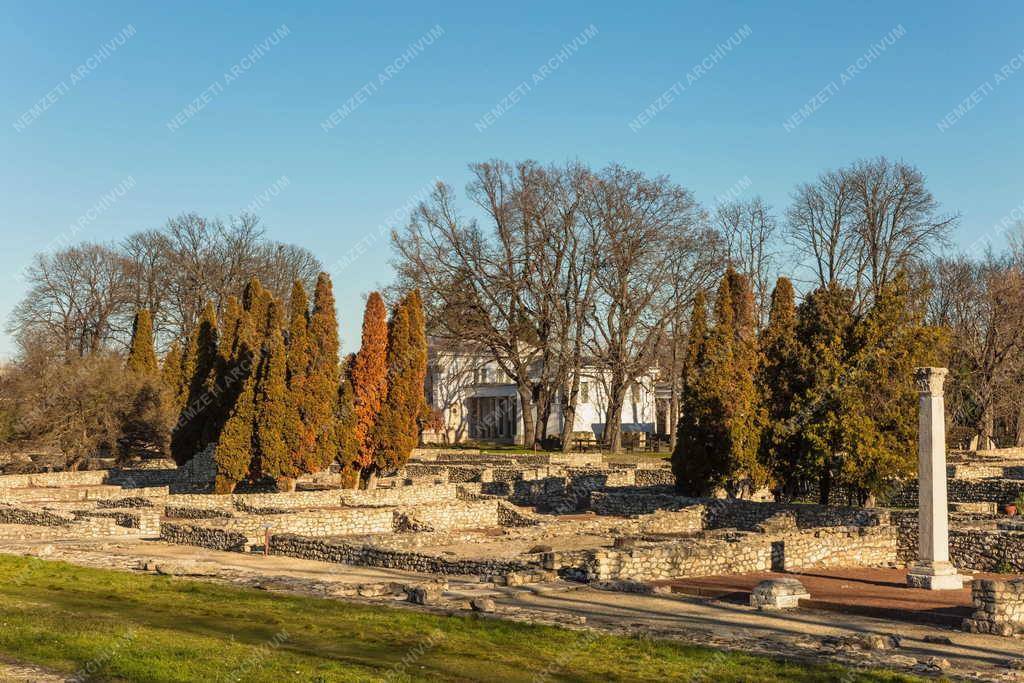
933 569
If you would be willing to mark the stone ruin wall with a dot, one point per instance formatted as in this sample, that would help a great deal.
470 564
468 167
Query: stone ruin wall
998 607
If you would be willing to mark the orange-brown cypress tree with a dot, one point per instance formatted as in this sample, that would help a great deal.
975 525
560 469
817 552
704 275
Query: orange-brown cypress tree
322 379
141 354
397 430
370 380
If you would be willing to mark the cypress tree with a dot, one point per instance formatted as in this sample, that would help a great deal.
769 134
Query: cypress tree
778 378
298 438
141 353
701 461
746 415
824 327
879 402
171 376
230 372
689 441
322 379
419 353
396 431
187 437
271 406
720 436
234 451
370 380
346 425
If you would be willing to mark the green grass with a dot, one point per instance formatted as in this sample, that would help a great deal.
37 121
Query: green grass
136 627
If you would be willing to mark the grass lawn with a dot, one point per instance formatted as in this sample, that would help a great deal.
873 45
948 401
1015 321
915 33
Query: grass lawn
119 626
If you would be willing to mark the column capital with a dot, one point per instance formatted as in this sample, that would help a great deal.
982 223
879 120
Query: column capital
930 380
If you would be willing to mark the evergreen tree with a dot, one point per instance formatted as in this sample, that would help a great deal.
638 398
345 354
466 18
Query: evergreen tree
322 379
172 376
370 380
689 441
396 431
719 433
701 458
234 451
779 380
746 414
879 403
187 437
271 407
141 353
824 327
346 426
298 438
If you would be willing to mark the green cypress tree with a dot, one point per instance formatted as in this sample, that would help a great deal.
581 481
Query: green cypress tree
824 327
879 402
141 353
321 405
299 439
701 459
271 406
348 446
779 380
234 451
187 437
689 440
171 376
719 433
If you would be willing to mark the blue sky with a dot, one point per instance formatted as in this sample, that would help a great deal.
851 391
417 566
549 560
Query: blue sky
725 129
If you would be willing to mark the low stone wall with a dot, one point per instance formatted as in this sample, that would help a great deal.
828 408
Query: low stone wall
54 479
661 476
682 559
970 548
461 515
10 514
687 520
203 536
998 607
145 521
869 546
720 513
741 553
370 556
1000 491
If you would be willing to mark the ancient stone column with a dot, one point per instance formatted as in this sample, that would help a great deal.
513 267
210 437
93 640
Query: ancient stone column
933 569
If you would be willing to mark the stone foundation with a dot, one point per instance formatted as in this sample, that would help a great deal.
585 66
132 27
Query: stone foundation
999 607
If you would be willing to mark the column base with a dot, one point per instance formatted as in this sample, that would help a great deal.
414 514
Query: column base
937 576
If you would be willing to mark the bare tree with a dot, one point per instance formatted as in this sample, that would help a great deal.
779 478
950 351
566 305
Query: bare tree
748 230
75 297
821 228
979 302
897 219
651 235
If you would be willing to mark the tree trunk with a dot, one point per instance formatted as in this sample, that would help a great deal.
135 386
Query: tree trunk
825 483
613 420
529 425
986 429
371 480
1019 440
673 416
569 414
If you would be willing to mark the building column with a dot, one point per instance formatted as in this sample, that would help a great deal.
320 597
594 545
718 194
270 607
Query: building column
933 569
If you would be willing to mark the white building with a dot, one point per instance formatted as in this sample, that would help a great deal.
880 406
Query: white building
474 400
